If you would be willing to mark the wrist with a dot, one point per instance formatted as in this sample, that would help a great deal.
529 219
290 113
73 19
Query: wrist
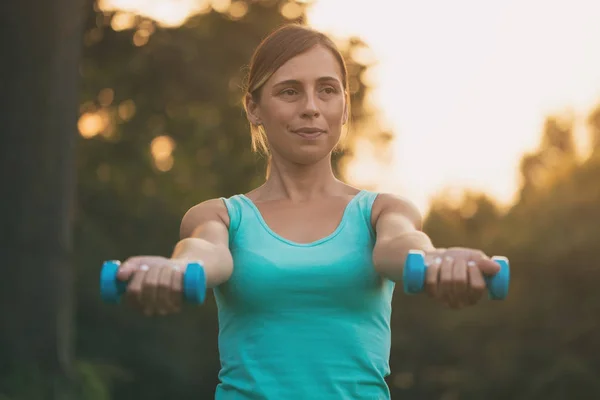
419 241
389 256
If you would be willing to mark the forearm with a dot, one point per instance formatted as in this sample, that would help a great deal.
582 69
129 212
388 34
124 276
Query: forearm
215 259
389 255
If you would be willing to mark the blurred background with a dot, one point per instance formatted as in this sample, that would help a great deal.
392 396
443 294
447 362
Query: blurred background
119 115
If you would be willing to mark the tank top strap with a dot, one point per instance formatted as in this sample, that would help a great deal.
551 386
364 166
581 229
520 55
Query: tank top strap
235 205
363 207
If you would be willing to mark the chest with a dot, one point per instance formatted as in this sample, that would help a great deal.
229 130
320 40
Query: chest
283 277
304 222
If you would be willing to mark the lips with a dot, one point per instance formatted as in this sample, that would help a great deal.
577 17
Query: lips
309 133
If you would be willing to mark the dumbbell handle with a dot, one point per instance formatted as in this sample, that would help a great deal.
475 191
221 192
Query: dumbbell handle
415 271
112 288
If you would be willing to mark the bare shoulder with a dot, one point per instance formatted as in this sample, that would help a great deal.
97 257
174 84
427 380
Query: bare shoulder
391 204
213 210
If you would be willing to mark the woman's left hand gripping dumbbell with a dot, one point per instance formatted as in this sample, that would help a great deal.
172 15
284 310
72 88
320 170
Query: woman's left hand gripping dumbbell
455 276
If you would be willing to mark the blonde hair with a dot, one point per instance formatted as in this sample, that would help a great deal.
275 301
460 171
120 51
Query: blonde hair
275 50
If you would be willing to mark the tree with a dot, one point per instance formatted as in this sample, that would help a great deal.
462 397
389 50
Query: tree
37 148
540 341
594 129
161 129
553 159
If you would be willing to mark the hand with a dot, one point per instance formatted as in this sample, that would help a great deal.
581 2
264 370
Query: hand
155 285
455 276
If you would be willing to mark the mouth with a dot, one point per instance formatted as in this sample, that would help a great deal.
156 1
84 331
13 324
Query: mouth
309 133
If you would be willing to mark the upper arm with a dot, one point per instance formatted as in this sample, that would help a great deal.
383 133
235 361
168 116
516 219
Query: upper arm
208 220
393 215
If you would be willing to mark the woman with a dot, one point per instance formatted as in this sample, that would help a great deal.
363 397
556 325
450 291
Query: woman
304 266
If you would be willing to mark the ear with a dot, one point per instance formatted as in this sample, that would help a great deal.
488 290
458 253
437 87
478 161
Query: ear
252 110
345 115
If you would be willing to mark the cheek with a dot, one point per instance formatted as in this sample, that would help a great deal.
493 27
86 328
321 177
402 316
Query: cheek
279 114
335 113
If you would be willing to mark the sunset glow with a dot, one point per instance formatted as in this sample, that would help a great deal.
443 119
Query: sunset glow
464 85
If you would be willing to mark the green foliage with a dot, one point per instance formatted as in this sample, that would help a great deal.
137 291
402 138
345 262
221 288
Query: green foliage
183 87
180 91
539 343
89 382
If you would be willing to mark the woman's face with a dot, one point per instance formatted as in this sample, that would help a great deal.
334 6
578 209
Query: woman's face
302 107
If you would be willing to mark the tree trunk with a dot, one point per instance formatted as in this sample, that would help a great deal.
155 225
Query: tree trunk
39 82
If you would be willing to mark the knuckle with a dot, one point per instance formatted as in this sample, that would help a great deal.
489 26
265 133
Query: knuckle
134 290
176 290
133 260
476 293
461 282
150 285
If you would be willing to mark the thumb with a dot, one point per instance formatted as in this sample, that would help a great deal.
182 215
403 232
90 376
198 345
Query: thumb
488 267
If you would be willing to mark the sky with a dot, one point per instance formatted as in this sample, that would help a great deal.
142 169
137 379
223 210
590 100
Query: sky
464 85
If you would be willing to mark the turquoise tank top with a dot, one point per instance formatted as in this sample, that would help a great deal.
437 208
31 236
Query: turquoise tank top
303 321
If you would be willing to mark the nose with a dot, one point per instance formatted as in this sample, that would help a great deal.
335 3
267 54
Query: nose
311 109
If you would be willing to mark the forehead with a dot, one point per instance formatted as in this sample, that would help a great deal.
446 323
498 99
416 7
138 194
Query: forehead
317 62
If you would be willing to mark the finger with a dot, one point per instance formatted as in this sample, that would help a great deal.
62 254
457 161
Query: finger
177 289
134 287
432 275
132 264
127 269
487 266
149 290
477 286
459 287
163 291
445 286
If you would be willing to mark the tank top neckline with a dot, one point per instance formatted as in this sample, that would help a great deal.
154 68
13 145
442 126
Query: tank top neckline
317 242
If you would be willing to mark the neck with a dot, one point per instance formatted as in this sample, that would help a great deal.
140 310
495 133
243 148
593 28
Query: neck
299 182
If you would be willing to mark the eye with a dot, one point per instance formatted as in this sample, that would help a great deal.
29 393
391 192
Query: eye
329 90
288 92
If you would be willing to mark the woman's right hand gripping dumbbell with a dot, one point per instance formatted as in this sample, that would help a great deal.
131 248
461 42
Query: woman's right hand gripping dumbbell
156 283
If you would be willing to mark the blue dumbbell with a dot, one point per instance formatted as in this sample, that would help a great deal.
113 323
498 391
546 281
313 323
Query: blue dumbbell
111 288
415 271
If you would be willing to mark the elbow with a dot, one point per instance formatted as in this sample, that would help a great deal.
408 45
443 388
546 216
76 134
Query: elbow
227 264
220 269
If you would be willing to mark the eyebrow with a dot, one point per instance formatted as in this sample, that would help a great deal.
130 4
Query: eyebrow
297 82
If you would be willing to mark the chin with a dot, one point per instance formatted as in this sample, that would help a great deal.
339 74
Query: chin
310 156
